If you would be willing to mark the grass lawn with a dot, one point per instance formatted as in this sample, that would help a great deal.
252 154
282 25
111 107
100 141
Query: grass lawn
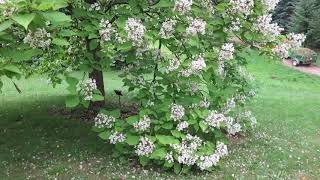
36 144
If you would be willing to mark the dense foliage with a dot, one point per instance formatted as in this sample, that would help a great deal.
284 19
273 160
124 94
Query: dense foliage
283 13
183 60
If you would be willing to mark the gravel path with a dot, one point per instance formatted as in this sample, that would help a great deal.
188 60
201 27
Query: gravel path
312 69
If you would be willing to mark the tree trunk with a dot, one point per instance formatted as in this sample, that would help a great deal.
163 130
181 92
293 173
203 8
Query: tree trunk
98 76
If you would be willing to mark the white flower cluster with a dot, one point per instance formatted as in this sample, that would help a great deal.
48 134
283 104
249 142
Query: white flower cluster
95 7
135 30
204 103
104 121
174 64
196 26
241 6
212 160
293 41
226 52
2 1
143 124
106 30
235 25
182 125
169 157
8 12
183 6
177 112
214 119
265 26
198 64
208 161
38 39
270 4
187 150
117 137
86 89
167 29
145 147
249 117
229 105
232 127
281 50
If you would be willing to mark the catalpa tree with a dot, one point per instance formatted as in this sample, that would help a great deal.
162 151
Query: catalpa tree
182 59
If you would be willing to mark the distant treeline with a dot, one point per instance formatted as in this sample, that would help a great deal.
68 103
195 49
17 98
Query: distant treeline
300 16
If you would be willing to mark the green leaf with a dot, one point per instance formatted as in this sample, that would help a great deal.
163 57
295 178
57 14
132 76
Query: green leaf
5 25
159 153
72 101
97 97
104 135
96 129
203 126
93 44
132 139
167 125
12 68
24 19
132 119
177 168
164 3
125 46
115 113
56 17
143 160
60 42
166 140
168 165
72 81
177 134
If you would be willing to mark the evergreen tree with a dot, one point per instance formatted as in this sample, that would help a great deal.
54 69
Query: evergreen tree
283 13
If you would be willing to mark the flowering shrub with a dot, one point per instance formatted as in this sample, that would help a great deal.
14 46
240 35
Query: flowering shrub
179 60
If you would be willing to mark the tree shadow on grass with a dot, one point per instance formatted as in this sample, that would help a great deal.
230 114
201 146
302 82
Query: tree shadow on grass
28 130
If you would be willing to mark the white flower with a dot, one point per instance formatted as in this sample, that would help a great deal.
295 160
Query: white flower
143 124
145 147
117 137
167 29
226 52
214 119
186 72
38 39
221 149
282 50
234 128
177 112
241 6
106 31
196 26
182 125
235 25
174 64
102 121
206 162
187 150
270 4
169 157
135 30
2 1
198 64
295 40
204 103
95 7
182 6
229 105
265 26
86 89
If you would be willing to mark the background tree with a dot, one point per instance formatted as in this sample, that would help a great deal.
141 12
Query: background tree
283 13
306 20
